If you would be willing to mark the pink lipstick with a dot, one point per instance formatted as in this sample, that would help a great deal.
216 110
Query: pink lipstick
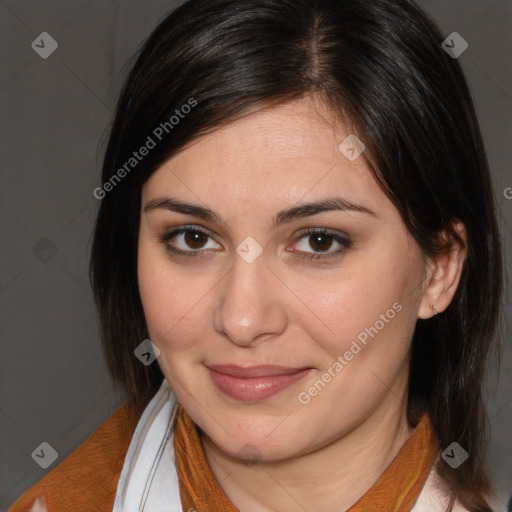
254 383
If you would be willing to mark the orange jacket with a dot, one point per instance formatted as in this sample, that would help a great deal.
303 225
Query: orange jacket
86 480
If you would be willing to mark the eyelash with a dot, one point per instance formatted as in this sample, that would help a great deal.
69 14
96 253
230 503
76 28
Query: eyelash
185 229
345 242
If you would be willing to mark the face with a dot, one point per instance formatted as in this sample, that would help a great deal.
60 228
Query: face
280 325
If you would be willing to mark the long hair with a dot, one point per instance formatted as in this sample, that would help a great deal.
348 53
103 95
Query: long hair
380 67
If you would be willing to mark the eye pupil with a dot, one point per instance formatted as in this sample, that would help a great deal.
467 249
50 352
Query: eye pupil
195 237
321 241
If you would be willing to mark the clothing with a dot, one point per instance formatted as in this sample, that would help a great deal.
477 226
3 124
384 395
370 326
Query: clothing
148 479
398 487
87 479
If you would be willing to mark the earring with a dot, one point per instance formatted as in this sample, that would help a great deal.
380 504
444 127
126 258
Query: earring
433 308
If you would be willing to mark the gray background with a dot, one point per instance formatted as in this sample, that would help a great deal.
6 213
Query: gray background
54 386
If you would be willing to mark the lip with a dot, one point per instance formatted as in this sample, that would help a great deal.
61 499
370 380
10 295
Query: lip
254 383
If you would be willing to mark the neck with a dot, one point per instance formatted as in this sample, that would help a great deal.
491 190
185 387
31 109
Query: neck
331 478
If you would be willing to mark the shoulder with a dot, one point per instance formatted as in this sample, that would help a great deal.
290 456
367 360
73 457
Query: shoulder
87 478
435 496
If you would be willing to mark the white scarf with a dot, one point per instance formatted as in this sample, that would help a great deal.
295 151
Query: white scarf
149 480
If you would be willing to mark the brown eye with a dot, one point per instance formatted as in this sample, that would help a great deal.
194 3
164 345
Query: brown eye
189 241
320 242
195 239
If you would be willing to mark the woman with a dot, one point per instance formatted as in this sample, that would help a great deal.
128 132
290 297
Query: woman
297 267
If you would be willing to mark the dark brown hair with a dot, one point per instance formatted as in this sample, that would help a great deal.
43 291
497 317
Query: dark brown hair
378 65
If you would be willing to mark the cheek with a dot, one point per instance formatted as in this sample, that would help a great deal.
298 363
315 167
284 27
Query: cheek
371 300
173 302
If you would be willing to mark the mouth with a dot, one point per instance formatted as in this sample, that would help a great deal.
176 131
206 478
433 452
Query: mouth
254 383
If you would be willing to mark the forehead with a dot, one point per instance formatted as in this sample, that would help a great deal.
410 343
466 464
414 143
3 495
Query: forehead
280 154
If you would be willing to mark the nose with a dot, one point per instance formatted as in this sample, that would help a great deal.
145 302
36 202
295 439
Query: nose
250 309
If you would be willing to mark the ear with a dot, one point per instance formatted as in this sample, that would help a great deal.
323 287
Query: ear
443 273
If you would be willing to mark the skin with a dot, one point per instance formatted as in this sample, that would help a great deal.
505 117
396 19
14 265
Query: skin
286 309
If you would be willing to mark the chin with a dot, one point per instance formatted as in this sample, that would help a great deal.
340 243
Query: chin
265 440
257 449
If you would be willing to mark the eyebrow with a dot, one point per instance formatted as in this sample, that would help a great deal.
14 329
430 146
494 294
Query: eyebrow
283 217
